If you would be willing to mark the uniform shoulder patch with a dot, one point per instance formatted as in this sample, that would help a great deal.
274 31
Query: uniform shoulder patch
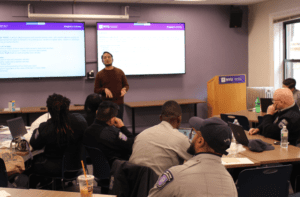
164 179
122 136
282 123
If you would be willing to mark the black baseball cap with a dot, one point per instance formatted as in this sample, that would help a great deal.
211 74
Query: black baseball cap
215 132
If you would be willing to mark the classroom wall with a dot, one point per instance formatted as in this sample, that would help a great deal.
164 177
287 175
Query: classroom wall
212 48
261 40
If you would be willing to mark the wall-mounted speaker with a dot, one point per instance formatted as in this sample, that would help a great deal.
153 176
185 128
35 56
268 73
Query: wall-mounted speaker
236 17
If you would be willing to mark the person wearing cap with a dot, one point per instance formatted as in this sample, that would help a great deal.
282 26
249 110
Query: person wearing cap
283 112
290 83
109 134
162 146
203 175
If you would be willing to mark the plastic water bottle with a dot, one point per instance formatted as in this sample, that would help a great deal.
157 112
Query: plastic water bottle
284 137
233 141
257 105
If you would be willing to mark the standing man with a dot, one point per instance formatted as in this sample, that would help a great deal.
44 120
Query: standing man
111 82
203 175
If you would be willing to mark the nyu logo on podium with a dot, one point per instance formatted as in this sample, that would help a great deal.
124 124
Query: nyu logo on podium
232 79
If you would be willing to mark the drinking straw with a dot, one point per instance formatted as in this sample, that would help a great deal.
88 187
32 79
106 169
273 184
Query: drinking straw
87 183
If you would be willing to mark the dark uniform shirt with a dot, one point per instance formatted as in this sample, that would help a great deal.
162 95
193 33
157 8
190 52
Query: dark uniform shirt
272 124
115 143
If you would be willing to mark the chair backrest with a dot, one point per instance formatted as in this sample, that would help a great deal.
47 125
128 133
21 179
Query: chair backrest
3 174
243 120
264 181
101 169
72 157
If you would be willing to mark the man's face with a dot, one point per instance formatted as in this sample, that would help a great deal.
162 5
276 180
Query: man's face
192 149
107 59
278 104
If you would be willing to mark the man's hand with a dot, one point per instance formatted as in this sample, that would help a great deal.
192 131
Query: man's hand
118 123
253 131
108 93
123 92
271 109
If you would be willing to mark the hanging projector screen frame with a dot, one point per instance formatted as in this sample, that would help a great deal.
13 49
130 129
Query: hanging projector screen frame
143 48
31 49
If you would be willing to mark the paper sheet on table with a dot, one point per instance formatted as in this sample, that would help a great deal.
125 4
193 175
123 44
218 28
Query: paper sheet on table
233 161
4 193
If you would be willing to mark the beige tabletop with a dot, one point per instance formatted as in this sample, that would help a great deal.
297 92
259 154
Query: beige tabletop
252 116
45 193
279 155
161 102
44 109
255 162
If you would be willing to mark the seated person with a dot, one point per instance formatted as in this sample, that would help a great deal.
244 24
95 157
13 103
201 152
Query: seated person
283 112
109 134
90 107
162 146
204 174
291 84
61 131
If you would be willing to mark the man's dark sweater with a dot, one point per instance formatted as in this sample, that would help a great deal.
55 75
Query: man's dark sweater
114 80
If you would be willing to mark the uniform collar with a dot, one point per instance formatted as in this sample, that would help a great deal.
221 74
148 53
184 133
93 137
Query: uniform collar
166 124
207 156
289 107
100 122
207 153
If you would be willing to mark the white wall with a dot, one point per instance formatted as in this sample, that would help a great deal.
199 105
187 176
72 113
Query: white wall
261 40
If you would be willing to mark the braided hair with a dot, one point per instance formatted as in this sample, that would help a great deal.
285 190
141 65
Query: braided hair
90 107
58 107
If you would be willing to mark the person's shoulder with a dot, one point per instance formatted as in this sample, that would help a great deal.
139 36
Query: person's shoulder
118 70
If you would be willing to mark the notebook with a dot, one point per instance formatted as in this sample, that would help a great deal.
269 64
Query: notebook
265 103
187 132
239 133
16 127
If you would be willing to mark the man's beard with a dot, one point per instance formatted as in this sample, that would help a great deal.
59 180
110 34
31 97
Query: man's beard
107 65
191 149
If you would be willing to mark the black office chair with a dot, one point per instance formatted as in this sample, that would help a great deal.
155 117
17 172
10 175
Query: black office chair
71 167
3 174
264 181
243 120
101 169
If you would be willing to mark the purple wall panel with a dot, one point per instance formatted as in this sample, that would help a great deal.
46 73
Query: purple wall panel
212 48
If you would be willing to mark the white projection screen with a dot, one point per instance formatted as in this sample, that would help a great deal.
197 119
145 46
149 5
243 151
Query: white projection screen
143 48
42 49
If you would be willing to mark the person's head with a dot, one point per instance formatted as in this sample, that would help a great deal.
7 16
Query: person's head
107 58
283 98
58 107
171 112
92 102
213 135
289 83
107 112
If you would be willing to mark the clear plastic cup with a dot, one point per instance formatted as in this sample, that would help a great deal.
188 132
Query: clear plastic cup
86 190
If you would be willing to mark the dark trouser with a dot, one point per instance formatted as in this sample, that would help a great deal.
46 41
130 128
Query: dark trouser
120 112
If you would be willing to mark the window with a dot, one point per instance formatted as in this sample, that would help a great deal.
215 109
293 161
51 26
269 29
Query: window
292 52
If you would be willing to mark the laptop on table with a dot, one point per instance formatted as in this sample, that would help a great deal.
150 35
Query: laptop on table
16 127
265 103
239 133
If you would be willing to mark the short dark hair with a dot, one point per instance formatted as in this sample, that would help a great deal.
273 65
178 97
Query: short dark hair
92 103
107 110
108 53
290 83
170 110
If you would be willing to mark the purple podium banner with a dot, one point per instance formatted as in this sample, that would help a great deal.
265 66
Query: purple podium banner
232 79
40 26
140 26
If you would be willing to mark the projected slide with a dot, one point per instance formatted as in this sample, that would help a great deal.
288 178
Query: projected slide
143 48
41 49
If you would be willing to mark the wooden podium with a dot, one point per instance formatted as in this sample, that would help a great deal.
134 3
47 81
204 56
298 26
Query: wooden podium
225 94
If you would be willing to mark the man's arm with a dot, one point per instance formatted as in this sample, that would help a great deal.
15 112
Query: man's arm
165 186
183 146
98 88
270 129
125 84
